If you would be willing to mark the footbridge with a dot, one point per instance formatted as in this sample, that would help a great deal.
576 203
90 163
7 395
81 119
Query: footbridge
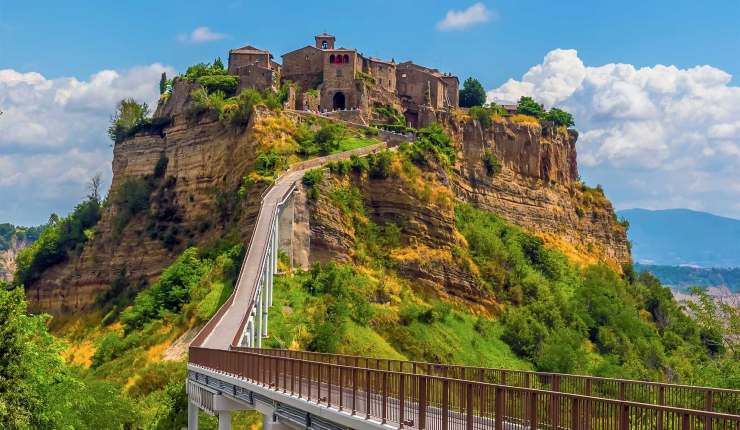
229 371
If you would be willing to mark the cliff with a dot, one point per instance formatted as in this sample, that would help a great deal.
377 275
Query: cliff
536 187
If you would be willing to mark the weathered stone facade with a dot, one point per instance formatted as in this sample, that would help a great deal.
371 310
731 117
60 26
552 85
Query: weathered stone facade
345 79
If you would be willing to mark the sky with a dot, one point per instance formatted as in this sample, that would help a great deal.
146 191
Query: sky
654 86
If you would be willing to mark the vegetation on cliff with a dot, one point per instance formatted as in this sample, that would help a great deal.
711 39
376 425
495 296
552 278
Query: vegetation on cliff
58 240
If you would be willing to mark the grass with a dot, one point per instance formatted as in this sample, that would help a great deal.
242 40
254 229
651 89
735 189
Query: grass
458 337
350 143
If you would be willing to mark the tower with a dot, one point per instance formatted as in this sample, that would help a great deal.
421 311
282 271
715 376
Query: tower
325 41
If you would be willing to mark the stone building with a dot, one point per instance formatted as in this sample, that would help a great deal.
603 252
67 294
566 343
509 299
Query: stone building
334 78
255 68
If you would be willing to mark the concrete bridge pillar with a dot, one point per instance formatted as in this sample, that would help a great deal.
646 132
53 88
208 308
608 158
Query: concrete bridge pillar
269 422
192 416
224 420
258 331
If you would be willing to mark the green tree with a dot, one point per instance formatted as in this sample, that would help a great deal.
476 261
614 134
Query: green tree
128 117
472 93
218 66
560 117
528 106
163 83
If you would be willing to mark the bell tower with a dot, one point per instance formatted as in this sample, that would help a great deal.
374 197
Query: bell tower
325 41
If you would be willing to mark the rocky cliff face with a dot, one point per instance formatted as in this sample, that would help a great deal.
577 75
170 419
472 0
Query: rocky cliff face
205 165
536 188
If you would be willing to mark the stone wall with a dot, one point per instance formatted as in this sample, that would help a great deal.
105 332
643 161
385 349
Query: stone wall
304 67
256 77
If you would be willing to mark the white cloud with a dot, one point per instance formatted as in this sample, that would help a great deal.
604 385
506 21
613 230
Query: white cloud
200 35
654 136
462 19
53 135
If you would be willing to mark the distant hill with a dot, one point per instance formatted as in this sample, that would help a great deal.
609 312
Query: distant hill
676 237
684 277
13 239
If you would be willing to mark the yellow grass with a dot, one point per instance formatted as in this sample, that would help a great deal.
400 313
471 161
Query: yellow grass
79 353
275 132
525 119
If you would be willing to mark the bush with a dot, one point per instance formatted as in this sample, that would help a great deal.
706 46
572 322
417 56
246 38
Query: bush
336 299
527 106
472 93
391 116
433 141
129 117
170 292
130 199
313 177
226 84
268 164
56 242
493 166
328 137
379 164
482 114
560 117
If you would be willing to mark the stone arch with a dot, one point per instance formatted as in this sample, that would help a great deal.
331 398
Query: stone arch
339 101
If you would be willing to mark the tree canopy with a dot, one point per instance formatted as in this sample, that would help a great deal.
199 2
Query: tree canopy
472 93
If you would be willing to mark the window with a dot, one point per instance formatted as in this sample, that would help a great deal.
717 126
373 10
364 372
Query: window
346 58
403 75
339 73
331 59
324 45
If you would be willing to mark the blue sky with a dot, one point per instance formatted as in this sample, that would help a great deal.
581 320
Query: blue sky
82 55
78 38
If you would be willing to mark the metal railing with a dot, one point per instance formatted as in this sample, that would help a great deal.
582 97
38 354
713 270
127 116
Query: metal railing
420 401
681 396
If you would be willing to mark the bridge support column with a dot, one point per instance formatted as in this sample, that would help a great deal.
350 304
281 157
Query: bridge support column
192 416
224 420
258 327
270 423
266 276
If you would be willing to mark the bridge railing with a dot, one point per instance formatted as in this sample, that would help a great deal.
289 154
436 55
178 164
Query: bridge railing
420 401
675 395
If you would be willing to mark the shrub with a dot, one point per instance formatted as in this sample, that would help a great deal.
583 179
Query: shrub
129 117
472 93
237 113
482 114
56 242
267 164
391 116
379 164
313 177
328 137
493 166
170 292
226 84
433 141
560 117
130 198
359 164
527 106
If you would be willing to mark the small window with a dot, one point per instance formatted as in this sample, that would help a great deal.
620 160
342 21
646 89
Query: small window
339 73
403 75
346 58
324 45
331 59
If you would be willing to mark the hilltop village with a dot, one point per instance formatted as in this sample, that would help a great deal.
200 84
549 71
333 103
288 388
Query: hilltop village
327 78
